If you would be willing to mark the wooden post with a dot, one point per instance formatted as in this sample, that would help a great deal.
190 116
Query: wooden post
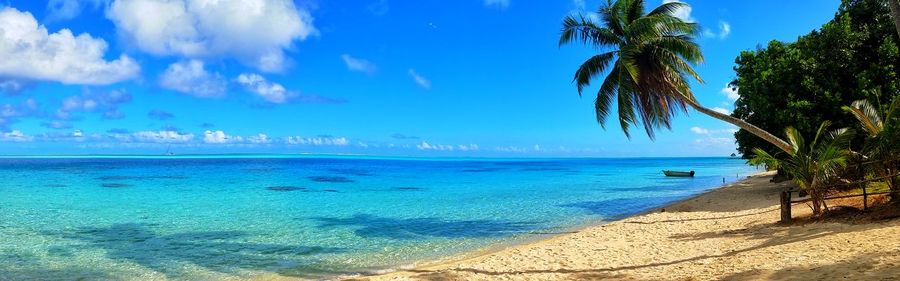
865 198
786 206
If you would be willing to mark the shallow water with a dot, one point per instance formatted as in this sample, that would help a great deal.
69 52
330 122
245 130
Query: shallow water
214 218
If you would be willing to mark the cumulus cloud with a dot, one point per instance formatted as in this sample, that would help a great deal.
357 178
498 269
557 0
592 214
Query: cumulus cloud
159 114
319 140
268 91
106 103
161 137
419 79
190 77
13 86
357 64
684 13
500 4
275 93
219 137
257 33
11 113
29 51
259 139
15 136
731 92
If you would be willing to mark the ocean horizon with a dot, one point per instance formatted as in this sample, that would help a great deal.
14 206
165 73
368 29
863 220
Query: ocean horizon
204 217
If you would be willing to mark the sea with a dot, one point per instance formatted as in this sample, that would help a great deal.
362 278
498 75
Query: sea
209 217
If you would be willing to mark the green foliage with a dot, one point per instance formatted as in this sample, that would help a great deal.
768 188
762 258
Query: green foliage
650 58
812 165
880 149
801 84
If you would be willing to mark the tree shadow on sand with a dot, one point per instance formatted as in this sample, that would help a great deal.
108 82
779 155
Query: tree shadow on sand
218 251
369 226
778 236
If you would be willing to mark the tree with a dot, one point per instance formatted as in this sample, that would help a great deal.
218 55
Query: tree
895 13
804 83
812 165
880 149
650 57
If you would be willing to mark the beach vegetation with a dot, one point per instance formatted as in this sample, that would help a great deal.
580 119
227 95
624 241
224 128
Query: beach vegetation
815 166
648 59
800 84
880 152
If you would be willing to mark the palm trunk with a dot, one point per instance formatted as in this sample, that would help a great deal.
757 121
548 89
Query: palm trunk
895 13
783 145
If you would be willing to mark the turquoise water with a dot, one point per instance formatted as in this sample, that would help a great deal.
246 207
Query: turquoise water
312 217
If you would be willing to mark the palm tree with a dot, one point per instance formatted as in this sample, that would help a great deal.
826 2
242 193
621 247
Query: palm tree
812 165
880 149
650 58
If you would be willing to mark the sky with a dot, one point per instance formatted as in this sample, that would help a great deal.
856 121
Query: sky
466 78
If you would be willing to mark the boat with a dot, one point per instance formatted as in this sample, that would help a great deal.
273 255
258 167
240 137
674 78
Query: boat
678 173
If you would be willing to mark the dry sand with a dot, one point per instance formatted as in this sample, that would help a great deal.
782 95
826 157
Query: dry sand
725 234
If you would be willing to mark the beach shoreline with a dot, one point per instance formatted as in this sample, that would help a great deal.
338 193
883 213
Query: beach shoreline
749 205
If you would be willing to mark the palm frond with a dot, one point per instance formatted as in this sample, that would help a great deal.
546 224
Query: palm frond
591 68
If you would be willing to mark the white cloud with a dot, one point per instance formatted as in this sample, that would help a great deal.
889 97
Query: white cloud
190 77
220 137
15 136
29 51
77 134
441 147
258 85
160 137
724 31
501 4
103 102
259 139
683 13
320 140
419 79
721 110
699 131
357 64
731 92
704 131
255 32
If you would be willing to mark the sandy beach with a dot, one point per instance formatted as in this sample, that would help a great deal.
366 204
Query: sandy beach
729 233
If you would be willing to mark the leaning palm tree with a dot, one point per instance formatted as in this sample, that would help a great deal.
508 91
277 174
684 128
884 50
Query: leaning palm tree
812 165
650 58
880 149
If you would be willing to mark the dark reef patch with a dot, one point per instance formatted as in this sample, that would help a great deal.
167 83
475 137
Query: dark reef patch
330 179
115 185
352 172
285 188
330 190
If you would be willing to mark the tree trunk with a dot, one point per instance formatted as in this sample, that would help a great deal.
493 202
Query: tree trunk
783 145
895 14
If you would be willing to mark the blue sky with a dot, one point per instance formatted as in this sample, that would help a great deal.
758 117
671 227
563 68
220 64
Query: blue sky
378 77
